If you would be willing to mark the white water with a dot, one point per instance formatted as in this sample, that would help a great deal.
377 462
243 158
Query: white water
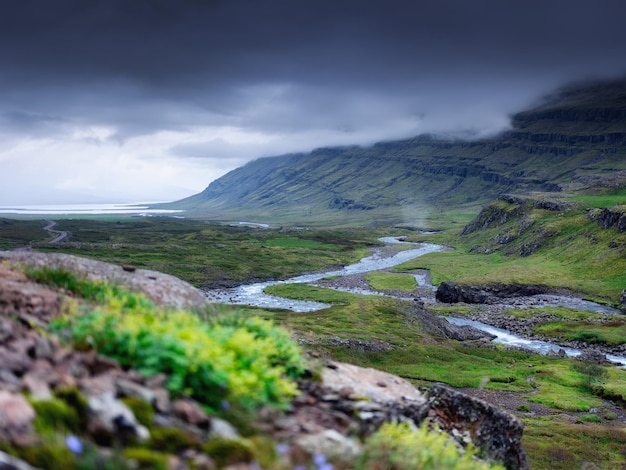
510 339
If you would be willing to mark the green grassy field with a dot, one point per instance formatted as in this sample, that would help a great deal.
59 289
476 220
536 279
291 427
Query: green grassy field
386 281
384 333
202 253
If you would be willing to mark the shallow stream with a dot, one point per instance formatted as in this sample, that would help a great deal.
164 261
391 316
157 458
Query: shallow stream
252 294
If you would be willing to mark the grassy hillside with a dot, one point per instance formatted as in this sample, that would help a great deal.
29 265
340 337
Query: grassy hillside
564 242
575 139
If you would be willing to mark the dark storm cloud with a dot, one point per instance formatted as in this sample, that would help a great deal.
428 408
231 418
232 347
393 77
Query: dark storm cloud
285 65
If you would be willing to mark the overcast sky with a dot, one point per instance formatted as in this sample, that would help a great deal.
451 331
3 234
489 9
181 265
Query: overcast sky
145 100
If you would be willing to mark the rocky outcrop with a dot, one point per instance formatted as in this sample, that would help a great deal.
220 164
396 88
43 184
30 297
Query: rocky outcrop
609 218
451 292
348 401
441 328
161 288
355 401
496 432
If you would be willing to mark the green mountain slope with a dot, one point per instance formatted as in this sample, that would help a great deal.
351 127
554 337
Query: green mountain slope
574 140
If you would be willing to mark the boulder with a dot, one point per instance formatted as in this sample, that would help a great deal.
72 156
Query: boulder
496 433
159 287
451 292
16 417
110 416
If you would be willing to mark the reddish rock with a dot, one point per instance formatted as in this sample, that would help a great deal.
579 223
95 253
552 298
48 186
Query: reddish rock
16 416
190 412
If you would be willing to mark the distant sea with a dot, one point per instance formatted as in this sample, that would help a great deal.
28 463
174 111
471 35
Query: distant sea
85 209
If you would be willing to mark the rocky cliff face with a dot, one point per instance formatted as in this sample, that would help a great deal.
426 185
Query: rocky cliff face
329 416
612 217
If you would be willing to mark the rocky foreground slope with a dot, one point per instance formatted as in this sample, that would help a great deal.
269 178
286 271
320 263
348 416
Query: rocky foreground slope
40 377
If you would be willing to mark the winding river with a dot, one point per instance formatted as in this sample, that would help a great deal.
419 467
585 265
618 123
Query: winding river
252 294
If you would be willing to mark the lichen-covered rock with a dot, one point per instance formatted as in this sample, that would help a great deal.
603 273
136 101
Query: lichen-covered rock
160 288
331 444
497 433
110 415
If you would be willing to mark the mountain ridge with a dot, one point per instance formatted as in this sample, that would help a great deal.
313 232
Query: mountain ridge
572 140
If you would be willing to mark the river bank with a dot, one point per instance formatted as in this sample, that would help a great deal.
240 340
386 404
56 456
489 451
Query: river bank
491 314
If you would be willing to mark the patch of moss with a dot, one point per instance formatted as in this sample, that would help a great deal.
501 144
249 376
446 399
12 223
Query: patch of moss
76 400
145 458
229 451
51 455
143 411
590 418
55 416
172 440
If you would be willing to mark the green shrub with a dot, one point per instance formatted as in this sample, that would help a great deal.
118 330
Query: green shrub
593 375
397 446
589 337
524 408
610 416
244 360
590 418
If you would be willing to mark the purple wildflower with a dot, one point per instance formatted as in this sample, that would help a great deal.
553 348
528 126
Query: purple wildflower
74 444
282 448
319 459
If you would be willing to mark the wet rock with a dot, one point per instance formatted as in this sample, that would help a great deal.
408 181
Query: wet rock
9 381
465 333
497 433
593 356
99 385
560 353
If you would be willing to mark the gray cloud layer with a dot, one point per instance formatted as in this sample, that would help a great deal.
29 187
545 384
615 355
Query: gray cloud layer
289 74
